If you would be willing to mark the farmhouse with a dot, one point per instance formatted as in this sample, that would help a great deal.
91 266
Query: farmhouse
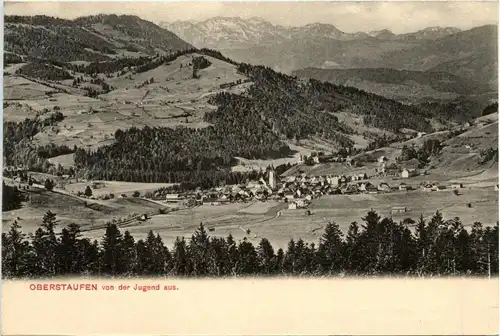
456 186
405 173
292 206
397 210
403 187
173 198
333 180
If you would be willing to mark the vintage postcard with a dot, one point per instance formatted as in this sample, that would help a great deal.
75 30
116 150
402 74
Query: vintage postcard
250 168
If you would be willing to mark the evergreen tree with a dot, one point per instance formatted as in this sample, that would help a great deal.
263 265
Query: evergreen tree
88 191
266 257
69 252
113 258
45 245
181 264
330 249
280 259
248 262
369 242
129 253
91 258
353 251
15 253
49 184
219 257
233 256
199 251
289 258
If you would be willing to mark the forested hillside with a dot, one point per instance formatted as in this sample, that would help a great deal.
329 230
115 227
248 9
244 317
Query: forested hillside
81 40
271 111
439 81
254 125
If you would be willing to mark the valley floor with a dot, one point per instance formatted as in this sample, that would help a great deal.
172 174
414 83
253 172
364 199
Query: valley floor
270 219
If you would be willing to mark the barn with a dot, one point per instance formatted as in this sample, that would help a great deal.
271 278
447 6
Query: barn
398 210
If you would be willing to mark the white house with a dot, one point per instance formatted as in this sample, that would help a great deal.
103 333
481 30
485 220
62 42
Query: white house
292 206
301 203
300 159
396 210
333 181
456 186
405 173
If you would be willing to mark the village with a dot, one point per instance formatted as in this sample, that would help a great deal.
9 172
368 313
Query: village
298 191
294 192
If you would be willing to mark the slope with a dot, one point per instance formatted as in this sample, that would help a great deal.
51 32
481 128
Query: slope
86 39
402 85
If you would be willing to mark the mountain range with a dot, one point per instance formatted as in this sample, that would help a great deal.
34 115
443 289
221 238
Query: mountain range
471 54
120 98
234 32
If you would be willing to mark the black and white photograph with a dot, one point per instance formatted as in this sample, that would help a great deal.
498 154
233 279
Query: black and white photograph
250 139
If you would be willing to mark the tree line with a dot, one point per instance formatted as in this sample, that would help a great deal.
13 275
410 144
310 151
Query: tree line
20 151
11 198
378 246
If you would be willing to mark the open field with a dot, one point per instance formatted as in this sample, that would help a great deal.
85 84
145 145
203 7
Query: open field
115 187
261 218
66 160
236 218
71 209
173 99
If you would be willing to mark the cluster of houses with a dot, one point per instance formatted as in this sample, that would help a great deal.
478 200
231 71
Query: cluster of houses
296 191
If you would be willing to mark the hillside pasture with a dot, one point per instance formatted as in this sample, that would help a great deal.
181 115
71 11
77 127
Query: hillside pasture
235 219
174 99
115 187
259 207
67 160
90 214
261 218
19 88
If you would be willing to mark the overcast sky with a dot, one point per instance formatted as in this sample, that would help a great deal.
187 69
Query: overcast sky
400 17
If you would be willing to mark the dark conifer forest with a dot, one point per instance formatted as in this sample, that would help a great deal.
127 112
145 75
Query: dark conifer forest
376 246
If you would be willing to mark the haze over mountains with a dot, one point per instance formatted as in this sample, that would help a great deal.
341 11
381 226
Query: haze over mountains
471 53
233 32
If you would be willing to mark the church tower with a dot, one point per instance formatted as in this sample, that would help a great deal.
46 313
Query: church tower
272 178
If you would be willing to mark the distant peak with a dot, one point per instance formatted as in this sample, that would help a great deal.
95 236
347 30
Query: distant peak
381 33
438 28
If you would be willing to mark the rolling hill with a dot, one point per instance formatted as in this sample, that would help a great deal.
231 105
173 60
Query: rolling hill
470 53
95 38
404 85
182 114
